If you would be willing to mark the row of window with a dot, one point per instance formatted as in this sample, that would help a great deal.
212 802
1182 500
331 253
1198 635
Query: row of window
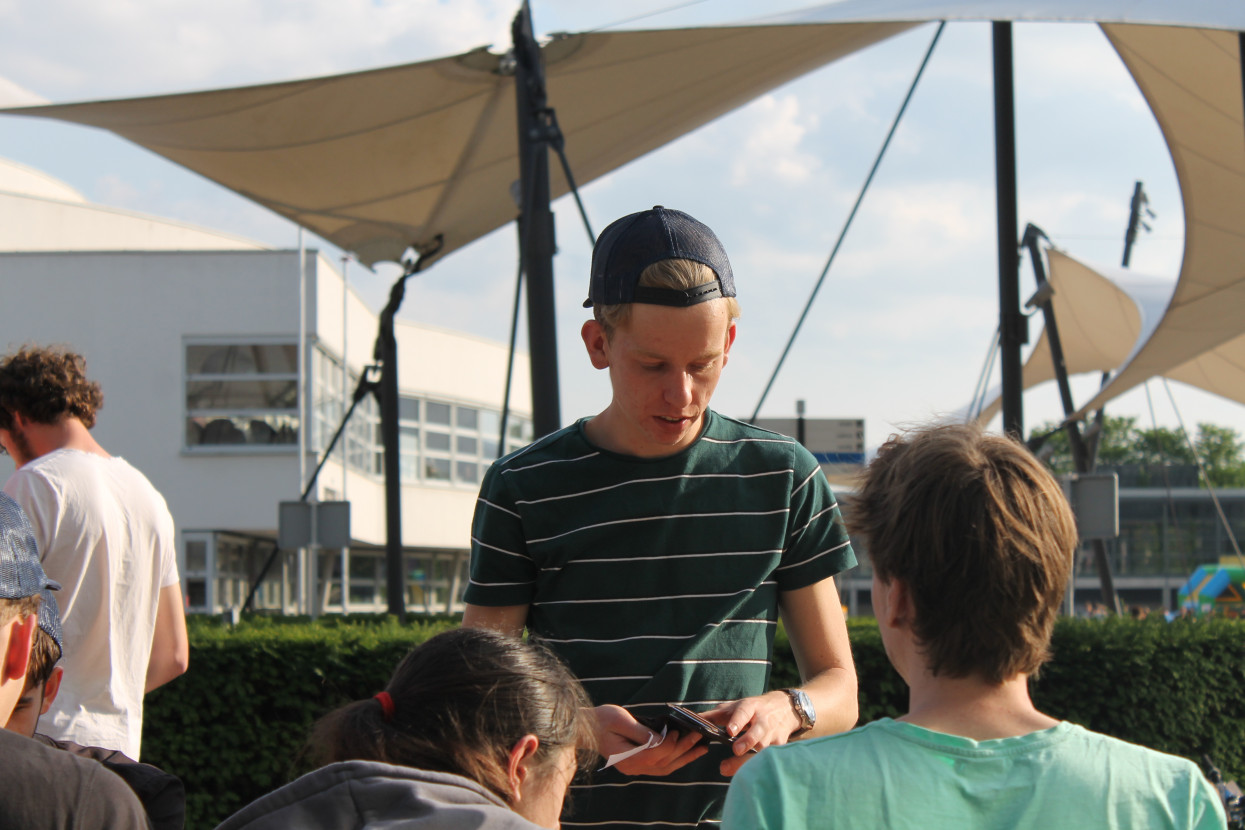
246 394
219 567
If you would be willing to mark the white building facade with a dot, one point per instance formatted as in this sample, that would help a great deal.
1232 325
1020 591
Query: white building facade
226 369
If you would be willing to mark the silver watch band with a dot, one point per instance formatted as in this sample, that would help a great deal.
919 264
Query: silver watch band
802 705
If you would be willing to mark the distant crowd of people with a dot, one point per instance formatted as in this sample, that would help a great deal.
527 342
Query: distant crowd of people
648 552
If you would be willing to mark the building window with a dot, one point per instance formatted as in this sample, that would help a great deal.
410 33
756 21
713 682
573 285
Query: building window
328 403
440 441
241 394
360 441
196 572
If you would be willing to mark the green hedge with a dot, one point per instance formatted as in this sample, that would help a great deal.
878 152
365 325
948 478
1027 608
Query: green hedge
232 727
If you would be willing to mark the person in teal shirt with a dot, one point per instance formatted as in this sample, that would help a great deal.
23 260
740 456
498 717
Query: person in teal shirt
972 545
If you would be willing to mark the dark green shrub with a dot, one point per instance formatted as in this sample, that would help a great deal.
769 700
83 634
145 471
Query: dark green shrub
232 727
1176 687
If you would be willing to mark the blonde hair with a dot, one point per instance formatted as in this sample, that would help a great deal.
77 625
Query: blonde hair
679 274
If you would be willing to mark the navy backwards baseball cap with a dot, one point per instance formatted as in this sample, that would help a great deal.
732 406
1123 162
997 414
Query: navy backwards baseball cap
632 243
21 574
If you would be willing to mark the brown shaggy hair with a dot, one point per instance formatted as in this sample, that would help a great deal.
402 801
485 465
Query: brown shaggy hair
44 654
679 274
45 385
983 538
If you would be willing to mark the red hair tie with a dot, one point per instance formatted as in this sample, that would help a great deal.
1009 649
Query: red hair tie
386 705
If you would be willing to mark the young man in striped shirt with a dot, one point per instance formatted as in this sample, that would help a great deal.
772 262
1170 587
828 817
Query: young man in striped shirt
654 545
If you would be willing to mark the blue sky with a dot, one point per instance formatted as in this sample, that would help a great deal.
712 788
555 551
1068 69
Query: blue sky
901 328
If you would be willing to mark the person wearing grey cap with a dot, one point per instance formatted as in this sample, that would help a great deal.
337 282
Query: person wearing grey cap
654 544
41 787
162 794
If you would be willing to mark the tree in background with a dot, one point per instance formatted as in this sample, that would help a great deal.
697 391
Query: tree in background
1123 443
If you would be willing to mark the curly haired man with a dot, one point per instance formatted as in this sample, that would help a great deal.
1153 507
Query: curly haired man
105 534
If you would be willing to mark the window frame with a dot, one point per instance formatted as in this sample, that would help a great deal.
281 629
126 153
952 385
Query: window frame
294 413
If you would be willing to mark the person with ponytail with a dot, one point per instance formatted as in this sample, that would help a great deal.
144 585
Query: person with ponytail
475 729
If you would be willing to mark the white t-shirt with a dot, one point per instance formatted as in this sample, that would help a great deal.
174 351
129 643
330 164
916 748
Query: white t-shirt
106 535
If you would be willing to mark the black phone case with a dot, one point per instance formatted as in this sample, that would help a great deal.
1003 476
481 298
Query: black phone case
685 720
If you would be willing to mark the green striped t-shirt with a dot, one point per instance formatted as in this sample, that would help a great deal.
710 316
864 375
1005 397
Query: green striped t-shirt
656 580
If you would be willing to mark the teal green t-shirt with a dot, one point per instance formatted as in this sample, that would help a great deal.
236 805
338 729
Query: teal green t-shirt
897 775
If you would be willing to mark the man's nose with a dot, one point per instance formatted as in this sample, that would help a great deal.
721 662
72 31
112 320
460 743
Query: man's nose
679 389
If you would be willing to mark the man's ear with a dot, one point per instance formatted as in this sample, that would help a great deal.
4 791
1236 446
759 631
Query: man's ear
519 769
16 657
597 344
51 689
730 341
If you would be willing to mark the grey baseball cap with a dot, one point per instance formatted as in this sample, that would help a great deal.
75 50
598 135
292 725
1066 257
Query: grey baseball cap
21 574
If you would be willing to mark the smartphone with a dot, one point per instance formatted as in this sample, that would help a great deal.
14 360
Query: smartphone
685 720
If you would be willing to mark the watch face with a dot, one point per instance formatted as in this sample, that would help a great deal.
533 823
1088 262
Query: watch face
804 708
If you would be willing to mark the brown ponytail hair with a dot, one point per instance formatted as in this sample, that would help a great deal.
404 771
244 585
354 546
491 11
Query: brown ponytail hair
461 701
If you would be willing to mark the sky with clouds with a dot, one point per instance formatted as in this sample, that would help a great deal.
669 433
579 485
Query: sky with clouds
901 328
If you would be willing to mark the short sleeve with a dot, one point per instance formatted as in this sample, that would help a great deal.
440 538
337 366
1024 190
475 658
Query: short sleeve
817 543
39 501
168 548
502 571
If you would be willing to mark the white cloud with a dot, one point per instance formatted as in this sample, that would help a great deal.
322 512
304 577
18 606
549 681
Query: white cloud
910 319
83 48
1061 60
772 149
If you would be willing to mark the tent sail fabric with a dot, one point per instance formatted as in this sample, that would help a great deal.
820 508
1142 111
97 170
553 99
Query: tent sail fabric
1192 80
1101 318
1186 60
1103 315
379 161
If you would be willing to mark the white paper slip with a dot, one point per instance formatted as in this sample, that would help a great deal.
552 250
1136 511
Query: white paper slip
654 740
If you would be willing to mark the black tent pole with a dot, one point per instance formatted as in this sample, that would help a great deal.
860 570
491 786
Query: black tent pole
385 352
1013 326
1082 459
536 130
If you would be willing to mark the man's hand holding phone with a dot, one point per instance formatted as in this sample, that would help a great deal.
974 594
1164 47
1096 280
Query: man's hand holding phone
756 722
618 731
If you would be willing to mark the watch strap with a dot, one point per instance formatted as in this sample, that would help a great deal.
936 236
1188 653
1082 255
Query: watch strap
803 708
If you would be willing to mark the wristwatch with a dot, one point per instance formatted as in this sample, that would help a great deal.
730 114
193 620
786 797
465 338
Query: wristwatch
803 708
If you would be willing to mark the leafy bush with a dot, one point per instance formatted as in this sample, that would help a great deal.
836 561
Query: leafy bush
233 727
1175 687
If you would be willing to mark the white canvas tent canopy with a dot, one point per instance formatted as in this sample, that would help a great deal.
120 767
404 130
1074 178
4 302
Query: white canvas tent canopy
380 161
